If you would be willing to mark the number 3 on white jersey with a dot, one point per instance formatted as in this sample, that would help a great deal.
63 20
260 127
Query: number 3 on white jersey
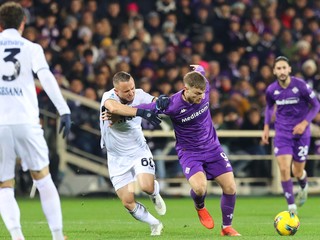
11 58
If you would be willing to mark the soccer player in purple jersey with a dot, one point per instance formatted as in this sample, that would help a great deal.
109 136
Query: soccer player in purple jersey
199 151
296 105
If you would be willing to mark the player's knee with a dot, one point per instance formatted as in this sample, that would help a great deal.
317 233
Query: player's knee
7 184
285 172
297 172
200 189
130 205
229 188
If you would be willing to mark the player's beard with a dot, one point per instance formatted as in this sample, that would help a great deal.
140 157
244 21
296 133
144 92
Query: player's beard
283 78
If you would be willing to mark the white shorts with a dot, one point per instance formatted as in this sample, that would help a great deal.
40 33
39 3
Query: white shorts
143 164
26 142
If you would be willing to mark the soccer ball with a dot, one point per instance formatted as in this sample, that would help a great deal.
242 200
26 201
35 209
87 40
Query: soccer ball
286 223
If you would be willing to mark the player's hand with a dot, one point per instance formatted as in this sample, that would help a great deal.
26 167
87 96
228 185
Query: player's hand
300 127
150 116
198 68
265 137
162 102
65 124
107 116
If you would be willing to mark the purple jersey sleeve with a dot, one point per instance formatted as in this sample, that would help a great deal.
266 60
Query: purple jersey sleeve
314 105
269 108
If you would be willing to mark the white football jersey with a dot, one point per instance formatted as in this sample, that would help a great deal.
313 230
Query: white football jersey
19 58
125 137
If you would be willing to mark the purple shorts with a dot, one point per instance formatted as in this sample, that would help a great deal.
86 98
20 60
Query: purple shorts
213 163
297 147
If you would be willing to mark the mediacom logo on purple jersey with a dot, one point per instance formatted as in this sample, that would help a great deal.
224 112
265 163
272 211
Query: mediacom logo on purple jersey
196 114
288 101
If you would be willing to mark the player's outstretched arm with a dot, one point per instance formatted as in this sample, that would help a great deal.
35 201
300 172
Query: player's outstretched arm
114 107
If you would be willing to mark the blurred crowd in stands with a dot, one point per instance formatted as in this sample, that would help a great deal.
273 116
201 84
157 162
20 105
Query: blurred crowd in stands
87 41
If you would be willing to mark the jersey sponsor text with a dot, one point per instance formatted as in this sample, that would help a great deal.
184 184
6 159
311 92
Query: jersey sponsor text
11 42
8 91
287 101
196 114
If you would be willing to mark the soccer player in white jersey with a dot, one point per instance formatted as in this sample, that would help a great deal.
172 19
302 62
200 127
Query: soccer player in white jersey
129 157
20 130
296 106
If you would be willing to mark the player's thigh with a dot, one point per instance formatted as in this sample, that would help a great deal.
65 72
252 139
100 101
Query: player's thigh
198 182
7 153
31 147
146 182
227 183
126 194
283 145
284 161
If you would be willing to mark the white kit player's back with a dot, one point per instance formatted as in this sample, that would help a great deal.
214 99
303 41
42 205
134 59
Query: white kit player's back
18 58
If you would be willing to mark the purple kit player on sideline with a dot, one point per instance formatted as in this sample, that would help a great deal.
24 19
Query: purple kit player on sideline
200 153
296 105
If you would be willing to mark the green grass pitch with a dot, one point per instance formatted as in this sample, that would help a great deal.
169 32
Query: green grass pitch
105 218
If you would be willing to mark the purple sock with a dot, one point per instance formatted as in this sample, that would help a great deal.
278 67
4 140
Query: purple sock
227 207
303 182
198 200
288 191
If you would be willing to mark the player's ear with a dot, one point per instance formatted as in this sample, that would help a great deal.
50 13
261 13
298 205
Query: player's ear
22 24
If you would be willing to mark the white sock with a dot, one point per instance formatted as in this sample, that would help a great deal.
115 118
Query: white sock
292 206
51 207
57 235
304 174
156 188
141 213
10 212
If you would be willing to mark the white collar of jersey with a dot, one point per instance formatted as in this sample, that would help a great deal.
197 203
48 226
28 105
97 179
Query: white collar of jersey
10 32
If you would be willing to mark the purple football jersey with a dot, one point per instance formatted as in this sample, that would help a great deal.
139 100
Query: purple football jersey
192 123
197 143
293 106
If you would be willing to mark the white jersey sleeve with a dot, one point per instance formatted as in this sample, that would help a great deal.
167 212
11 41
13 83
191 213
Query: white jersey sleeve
51 87
38 60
